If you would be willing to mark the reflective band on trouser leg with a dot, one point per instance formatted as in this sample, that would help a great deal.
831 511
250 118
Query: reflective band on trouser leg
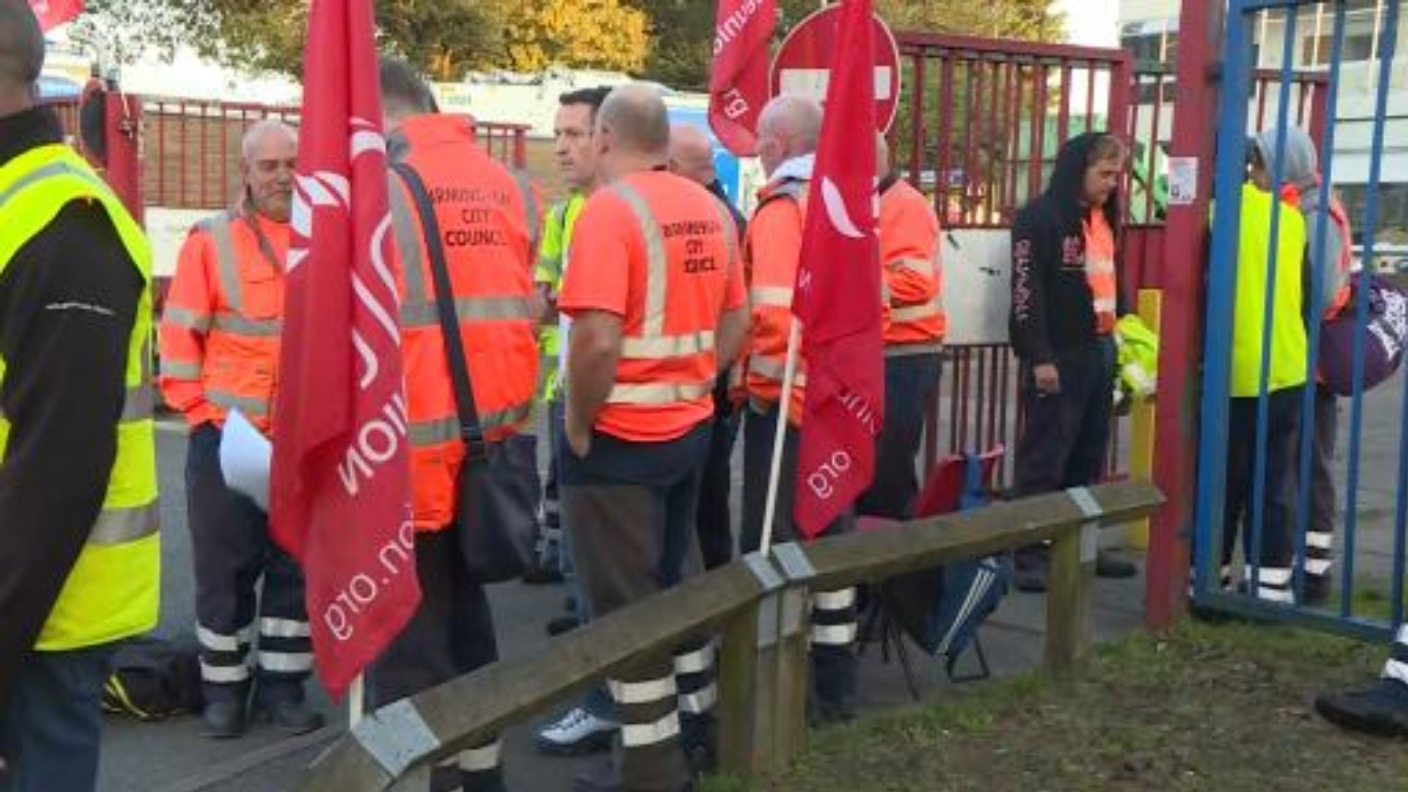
223 674
643 735
1273 584
485 757
1319 552
1397 665
834 617
224 656
694 678
652 756
286 662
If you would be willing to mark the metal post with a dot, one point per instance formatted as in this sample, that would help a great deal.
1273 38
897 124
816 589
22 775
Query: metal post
1176 438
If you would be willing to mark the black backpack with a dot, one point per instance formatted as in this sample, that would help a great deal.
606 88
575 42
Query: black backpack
153 678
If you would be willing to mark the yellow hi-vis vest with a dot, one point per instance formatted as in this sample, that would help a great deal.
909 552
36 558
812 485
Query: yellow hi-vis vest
556 238
113 590
1288 345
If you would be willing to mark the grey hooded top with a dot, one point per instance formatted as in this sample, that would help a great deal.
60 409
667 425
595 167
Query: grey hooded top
1302 169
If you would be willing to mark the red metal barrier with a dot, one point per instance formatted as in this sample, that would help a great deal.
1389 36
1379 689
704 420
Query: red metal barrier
190 147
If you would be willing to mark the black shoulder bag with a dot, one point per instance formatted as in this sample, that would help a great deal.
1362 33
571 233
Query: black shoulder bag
496 503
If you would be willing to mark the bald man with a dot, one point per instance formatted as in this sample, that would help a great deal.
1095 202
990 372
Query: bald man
692 156
220 352
79 549
657 302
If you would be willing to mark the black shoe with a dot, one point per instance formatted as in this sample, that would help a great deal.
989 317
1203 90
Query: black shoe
1318 589
538 575
563 624
290 715
1109 565
1031 569
223 720
1381 709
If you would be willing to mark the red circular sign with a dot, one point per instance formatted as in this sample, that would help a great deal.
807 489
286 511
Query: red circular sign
803 62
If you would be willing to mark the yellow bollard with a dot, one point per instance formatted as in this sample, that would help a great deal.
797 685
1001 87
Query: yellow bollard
1142 414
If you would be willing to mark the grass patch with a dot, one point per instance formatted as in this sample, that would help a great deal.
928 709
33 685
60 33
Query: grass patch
1225 707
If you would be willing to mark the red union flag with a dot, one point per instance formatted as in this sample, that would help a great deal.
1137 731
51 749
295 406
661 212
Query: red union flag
52 13
838 288
738 84
341 496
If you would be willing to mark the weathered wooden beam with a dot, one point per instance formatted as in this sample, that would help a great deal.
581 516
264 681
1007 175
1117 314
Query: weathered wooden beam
926 543
747 679
1069 583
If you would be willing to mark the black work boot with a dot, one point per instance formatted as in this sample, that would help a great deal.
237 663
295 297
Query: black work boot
1032 564
1110 565
290 714
1381 709
223 719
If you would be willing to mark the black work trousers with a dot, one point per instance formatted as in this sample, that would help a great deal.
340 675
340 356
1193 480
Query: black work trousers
1065 434
233 550
715 520
910 384
1283 411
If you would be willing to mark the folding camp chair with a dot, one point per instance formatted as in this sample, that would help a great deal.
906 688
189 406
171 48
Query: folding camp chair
956 483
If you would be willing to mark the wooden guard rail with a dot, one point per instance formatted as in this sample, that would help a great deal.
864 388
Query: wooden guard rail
758 606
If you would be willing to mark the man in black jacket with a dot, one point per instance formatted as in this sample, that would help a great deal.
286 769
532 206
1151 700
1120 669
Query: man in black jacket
1065 300
68 302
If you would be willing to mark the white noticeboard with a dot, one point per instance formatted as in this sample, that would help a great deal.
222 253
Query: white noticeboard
1182 180
977 266
167 230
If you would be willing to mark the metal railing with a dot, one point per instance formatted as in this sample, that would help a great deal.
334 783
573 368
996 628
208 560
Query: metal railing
757 607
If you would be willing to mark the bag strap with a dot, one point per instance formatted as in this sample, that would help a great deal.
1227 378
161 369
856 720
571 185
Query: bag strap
471 431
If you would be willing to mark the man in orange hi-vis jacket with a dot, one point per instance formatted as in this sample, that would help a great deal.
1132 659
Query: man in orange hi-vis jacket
220 351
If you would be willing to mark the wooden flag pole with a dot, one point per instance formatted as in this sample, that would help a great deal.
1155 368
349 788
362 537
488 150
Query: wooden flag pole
784 406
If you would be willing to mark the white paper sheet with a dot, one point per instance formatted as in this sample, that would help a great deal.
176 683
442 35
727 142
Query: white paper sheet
245 458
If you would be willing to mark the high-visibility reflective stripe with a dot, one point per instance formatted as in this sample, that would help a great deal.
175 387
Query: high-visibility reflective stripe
1402 637
834 600
639 735
250 406
1320 540
286 662
656 264
1394 669
50 171
730 239
834 634
477 760
701 701
219 642
445 430
139 404
774 370
919 265
477 309
667 347
770 296
1318 567
1105 305
407 241
234 324
658 393
180 369
1276 594
283 628
914 313
184 317
226 264
909 350
530 206
696 662
120 526
1271 576
223 675
642 692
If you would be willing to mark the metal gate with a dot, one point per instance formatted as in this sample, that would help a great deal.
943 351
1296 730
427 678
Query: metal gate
1257 450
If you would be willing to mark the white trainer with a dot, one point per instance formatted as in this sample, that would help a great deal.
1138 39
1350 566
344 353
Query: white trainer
576 732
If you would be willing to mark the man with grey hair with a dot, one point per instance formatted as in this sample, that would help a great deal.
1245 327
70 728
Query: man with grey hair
79 548
788 129
656 298
220 352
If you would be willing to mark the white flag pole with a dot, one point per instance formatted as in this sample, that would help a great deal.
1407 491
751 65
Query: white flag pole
356 700
784 406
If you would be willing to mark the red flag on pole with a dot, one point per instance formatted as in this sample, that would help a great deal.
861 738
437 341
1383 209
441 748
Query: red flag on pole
838 289
52 13
341 494
738 84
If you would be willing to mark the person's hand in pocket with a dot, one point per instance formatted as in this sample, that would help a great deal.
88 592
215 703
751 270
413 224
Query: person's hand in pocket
1048 379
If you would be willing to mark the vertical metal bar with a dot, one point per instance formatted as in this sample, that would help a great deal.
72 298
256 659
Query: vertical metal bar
1090 96
970 173
1263 88
1317 277
1151 170
965 370
992 169
1063 116
1038 152
956 398
204 150
1222 284
998 396
945 126
980 402
1385 46
1259 482
918 133
1013 138
977 135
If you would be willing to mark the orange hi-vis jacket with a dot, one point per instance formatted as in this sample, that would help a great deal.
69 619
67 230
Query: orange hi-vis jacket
661 253
911 281
221 325
773 252
1100 271
487 218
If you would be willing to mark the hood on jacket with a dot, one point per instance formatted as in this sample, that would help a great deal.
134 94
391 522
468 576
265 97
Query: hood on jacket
1066 189
1299 163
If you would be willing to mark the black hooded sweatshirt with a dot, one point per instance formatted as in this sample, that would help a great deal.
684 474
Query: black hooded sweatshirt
1053 310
